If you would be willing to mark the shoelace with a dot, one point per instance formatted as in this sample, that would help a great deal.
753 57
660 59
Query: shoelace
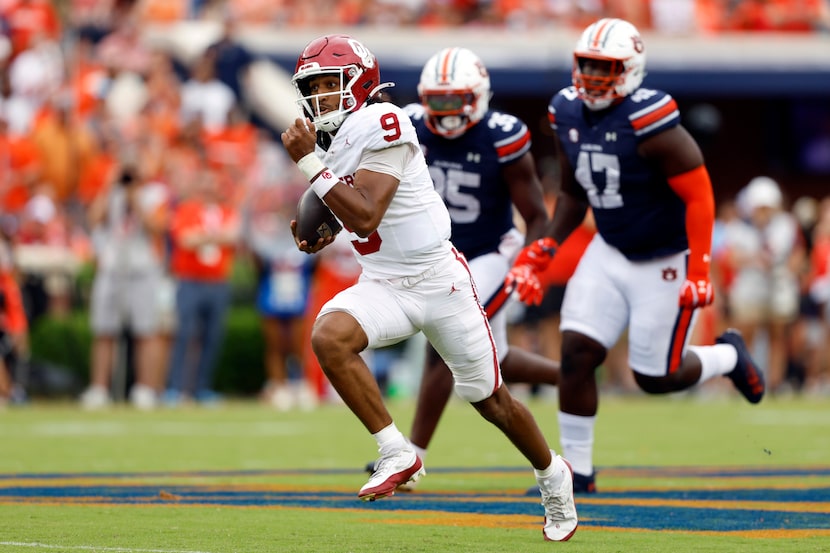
554 506
383 462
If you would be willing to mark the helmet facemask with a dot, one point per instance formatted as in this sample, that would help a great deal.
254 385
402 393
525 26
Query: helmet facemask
310 102
449 112
597 80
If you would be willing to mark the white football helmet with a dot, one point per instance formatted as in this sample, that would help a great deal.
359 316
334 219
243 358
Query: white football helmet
455 91
609 62
356 67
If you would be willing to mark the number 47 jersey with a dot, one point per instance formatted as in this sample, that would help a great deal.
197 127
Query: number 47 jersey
635 209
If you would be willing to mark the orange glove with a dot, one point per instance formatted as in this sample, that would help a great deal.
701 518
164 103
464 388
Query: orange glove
537 254
522 280
696 292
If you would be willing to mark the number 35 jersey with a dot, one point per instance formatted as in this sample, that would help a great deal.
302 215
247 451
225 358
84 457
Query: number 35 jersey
467 173
636 210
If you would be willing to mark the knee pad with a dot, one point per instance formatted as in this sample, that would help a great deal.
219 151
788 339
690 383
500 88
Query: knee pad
472 392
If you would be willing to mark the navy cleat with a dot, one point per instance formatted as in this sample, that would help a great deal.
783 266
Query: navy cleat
746 376
585 484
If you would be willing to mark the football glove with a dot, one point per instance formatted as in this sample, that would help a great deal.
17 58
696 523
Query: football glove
696 292
523 281
537 254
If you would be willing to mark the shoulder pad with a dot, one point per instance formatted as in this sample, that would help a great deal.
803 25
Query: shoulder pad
651 111
379 126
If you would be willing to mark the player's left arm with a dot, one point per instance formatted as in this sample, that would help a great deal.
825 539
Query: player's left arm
526 194
682 162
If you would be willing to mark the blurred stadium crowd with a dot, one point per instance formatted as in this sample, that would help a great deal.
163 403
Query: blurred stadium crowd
173 181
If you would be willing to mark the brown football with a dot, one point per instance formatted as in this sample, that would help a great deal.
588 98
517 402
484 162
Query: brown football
314 219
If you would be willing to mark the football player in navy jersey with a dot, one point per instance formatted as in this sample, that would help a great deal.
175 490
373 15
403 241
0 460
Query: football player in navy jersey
624 153
480 162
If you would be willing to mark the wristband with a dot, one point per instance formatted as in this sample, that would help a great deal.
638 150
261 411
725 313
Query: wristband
324 182
310 165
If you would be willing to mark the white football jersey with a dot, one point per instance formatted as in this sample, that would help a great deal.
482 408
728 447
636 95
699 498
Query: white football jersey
415 230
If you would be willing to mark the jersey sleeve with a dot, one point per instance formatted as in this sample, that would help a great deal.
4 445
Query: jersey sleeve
653 112
510 136
415 111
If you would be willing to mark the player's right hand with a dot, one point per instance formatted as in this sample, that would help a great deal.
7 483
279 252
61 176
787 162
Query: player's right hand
696 292
523 281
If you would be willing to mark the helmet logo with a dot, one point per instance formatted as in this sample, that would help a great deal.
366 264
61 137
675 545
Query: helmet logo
638 44
481 69
363 53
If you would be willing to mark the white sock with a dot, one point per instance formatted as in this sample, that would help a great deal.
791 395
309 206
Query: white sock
390 439
548 472
716 360
577 436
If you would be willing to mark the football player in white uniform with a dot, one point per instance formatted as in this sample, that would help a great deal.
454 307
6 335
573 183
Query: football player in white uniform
368 168
623 152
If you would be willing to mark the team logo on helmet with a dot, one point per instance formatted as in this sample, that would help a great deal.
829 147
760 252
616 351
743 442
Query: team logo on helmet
363 53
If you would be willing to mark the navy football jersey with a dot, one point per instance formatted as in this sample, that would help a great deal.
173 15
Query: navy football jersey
636 210
467 172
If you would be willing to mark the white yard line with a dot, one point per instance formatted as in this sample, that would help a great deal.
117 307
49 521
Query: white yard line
104 428
35 545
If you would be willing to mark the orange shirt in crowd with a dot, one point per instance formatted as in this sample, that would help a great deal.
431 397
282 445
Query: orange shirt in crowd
28 19
162 11
209 262
95 175
13 315
19 169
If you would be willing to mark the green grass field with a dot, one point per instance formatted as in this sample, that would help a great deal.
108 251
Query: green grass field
675 474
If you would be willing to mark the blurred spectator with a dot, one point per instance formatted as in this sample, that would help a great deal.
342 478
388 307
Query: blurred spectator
64 147
777 15
28 19
35 77
205 97
231 59
20 165
92 19
14 330
816 340
766 251
161 12
87 79
232 149
283 284
44 255
160 113
127 227
124 49
204 230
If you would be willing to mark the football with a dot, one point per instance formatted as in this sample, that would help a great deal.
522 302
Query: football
314 219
